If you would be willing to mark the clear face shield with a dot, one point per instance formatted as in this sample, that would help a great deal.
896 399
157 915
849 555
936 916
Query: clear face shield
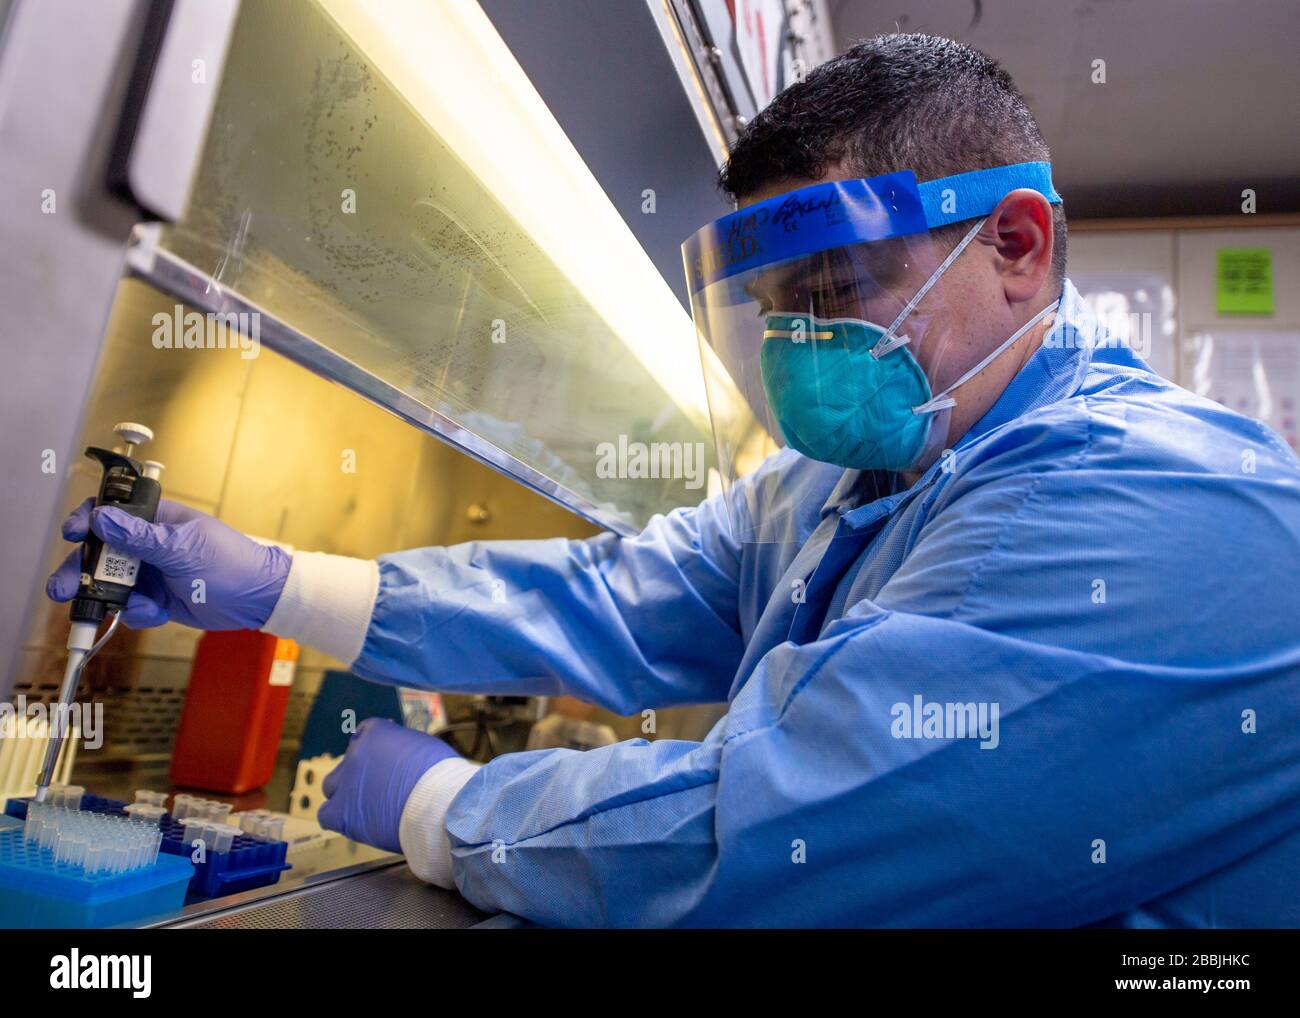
825 325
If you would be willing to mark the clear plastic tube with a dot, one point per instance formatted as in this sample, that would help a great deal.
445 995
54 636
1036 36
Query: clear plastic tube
196 829
223 837
262 823
32 825
94 859
145 813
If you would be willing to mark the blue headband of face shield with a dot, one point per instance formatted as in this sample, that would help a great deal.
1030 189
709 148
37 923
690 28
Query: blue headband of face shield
844 212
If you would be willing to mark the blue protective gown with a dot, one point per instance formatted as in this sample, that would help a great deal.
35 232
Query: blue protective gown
1111 560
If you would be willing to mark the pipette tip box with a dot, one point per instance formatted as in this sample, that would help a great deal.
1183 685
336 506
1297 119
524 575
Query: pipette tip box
36 892
250 862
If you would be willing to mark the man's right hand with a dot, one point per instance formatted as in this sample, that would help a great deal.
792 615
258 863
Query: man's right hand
197 571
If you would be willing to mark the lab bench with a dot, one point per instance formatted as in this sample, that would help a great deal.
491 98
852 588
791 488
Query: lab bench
334 884
379 893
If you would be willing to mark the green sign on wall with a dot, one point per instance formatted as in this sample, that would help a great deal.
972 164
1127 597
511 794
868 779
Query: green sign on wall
1244 281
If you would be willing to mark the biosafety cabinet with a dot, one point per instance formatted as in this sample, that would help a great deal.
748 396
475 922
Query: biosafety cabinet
370 288
377 276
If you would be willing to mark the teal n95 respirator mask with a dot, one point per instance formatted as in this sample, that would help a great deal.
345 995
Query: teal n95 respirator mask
812 310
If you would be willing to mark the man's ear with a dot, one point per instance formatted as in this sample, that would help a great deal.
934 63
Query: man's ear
1020 231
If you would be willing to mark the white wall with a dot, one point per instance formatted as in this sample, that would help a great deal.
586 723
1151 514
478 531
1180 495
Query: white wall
1248 362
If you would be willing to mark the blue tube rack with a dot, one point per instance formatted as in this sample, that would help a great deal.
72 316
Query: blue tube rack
36 892
250 862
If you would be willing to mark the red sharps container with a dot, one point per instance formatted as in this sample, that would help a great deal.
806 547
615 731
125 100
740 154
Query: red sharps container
234 711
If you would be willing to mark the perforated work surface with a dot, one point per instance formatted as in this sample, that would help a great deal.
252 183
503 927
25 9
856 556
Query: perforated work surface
391 898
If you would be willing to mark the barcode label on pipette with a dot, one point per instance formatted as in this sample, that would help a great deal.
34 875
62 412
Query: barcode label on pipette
116 567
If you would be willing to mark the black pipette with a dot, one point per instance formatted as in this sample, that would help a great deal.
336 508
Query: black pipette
107 575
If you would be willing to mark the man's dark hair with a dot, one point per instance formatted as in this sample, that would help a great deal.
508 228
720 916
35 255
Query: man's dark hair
894 102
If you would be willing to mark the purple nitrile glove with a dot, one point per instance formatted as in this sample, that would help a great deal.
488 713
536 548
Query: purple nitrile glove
367 791
241 579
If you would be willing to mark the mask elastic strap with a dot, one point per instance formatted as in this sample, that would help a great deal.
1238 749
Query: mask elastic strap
890 341
943 400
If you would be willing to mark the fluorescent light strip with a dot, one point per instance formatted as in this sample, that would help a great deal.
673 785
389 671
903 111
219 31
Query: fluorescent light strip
448 62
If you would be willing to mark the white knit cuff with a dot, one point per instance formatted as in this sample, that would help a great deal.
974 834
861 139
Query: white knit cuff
326 603
423 830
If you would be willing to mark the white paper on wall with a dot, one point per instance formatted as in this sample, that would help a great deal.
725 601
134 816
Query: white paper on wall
1255 373
1138 309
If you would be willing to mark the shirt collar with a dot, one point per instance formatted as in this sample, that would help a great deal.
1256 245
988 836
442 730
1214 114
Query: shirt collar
1053 373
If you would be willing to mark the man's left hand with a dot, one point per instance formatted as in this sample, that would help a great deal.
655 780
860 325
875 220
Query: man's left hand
367 792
